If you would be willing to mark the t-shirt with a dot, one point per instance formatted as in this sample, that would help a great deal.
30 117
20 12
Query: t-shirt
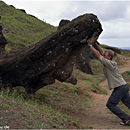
112 74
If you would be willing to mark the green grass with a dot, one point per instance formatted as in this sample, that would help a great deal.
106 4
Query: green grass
49 108
30 112
126 76
66 96
20 29
128 72
125 53
95 88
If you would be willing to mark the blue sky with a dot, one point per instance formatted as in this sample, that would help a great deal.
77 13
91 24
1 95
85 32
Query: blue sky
113 15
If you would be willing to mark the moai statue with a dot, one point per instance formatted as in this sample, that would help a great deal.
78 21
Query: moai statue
3 41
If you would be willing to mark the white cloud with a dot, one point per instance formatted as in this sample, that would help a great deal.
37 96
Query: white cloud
51 11
116 30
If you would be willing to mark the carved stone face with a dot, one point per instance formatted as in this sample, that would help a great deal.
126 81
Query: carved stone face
77 33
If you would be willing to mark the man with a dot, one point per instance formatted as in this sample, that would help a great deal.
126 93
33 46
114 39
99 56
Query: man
115 82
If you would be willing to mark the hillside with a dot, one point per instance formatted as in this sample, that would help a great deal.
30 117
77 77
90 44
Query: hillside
21 29
63 105
60 105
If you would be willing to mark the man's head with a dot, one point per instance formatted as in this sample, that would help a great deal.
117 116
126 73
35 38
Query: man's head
108 54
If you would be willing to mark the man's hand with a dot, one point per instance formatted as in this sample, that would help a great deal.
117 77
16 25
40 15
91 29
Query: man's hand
90 41
93 39
99 48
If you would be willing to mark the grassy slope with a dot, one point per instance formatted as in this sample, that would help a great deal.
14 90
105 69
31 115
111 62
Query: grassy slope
54 105
20 29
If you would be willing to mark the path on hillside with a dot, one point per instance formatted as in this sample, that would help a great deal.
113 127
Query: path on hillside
97 115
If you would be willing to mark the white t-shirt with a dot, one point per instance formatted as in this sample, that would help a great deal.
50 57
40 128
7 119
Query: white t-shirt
112 74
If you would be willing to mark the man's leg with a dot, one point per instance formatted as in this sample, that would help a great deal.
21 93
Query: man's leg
114 99
126 98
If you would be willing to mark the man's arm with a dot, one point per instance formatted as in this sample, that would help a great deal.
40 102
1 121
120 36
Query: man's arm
95 52
99 49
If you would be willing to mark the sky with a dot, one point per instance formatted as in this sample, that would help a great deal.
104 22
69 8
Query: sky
114 15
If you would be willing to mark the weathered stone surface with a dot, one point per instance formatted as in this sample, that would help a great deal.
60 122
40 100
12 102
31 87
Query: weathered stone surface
3 41
83 61
22 10
63 22
2 38
12 6
32 16
51 58
71 80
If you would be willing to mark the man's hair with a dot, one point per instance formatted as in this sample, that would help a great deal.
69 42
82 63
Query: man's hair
110 53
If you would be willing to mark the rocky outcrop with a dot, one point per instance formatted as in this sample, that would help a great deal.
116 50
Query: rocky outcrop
63 22
71 80
52 58
33 16
18 9
3 41
22 10
12 6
